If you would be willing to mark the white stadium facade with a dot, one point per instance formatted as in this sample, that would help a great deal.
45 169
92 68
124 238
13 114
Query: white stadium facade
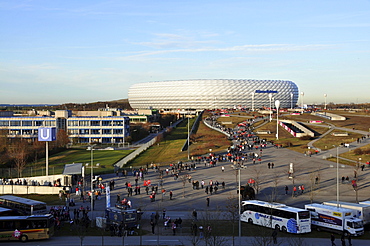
202 94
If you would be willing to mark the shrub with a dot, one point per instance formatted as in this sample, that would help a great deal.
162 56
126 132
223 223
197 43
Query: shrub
358 151
288 144
305 137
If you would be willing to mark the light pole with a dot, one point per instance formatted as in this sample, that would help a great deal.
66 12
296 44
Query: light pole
337 176
270 97
92 176
302 94
239 221
291 100
252 101
325 95
277 105
188 138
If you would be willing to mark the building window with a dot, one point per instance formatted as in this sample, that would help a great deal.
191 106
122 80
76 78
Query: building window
49 123
15 132
117 131
73 131
117 123
27 132
38 123
26 123
106 123
106 140
84 131
95 123
84 123
4 123
106 131
73 123
15 123
95 131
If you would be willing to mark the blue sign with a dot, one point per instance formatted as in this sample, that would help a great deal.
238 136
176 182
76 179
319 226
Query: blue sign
47 134
265 91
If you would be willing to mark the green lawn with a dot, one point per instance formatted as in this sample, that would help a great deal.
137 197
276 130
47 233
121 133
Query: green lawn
106 158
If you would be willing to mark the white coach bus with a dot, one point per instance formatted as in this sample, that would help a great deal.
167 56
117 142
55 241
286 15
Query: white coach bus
276 215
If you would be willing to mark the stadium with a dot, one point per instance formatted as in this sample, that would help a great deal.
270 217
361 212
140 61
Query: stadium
202 94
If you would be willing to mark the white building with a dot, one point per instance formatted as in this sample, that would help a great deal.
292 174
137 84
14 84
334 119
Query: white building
202 94
88 129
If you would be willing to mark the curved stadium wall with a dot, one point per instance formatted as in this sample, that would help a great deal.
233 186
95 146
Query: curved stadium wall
212 93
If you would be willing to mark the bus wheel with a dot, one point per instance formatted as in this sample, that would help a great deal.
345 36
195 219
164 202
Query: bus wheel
284 229
277 227
23 238
250 221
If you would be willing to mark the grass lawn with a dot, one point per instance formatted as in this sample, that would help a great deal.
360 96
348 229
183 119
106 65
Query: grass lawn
169 149
106 158
329 140
351 155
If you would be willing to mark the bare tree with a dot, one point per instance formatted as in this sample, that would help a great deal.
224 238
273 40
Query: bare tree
257 178
4 143
62 139
232 207
210 223
19 152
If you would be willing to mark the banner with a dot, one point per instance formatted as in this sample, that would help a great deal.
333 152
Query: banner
107 194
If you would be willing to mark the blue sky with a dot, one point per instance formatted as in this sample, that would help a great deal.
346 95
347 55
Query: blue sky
87 51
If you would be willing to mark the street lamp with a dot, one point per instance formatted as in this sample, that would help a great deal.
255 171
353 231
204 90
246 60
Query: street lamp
239 222
325 95
270 97
92 176
188 138
277 105
291 100
337 176
302 94
252 101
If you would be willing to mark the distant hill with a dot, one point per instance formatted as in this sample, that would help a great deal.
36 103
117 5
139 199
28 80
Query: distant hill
120 103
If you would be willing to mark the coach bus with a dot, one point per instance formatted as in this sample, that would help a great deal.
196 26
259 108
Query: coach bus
24 228
23 206
277 216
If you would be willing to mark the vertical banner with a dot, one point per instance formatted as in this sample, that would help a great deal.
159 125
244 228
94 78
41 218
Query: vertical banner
107 194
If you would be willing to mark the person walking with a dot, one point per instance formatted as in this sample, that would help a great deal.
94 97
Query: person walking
274 236
332 239
343 240
349 239
174 228
286 190
195 214
171 194
207 199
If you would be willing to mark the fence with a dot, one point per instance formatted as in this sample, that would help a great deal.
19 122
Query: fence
134 154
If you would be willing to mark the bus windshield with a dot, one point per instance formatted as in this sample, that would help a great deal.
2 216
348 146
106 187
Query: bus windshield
304 215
